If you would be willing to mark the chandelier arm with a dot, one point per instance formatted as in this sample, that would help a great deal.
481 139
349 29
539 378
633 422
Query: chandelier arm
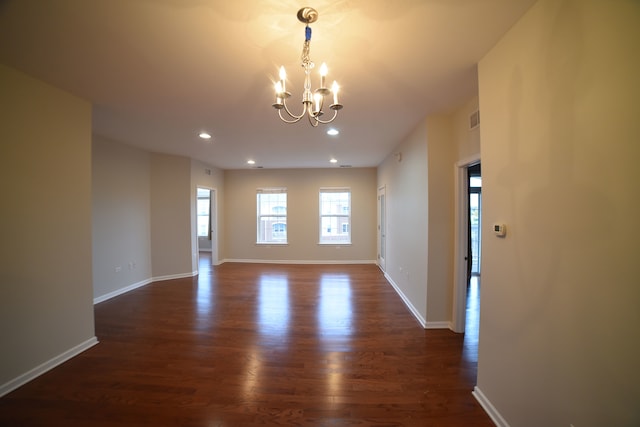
313 120
294 116
296 119
324 122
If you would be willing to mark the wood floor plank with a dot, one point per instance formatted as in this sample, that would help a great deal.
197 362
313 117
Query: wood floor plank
259 344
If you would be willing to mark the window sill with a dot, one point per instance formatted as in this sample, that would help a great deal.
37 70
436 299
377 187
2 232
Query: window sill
333 244
272 244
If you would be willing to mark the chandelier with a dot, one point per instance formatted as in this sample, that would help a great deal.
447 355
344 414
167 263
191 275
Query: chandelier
313 103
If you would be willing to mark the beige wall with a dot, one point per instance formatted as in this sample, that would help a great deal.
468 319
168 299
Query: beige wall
121 217
404 174
559 340
467 141
302 186
172 252
441 160
46 308
123 189
418 176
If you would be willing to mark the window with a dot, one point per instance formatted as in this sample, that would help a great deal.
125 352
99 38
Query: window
272 215
335 216
203 207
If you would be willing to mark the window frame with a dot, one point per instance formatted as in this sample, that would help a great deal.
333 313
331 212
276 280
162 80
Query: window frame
207 215
279 217
340 225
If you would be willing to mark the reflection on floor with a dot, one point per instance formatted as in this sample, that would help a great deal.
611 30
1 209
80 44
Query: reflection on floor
472 325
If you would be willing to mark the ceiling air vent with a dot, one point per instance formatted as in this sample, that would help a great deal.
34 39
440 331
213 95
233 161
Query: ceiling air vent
474 119
345 166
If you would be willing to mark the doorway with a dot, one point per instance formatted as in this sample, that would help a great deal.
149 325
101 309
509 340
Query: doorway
206 224
474 173
467 261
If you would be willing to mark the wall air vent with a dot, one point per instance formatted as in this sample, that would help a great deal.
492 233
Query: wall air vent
474 120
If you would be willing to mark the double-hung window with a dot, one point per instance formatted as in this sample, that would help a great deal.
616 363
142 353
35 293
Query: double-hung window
335 216
203 208
272 215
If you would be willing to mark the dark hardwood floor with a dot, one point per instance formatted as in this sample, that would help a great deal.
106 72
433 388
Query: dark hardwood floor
255 345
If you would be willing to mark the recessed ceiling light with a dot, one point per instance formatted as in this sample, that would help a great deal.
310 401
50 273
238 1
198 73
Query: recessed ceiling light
204 135
251 162
333 132
333 161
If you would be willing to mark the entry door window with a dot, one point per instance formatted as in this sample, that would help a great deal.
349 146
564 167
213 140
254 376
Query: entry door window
475 209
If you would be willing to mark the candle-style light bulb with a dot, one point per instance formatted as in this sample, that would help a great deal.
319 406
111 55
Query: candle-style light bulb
323 73
335 89
283 77
278 88
318 98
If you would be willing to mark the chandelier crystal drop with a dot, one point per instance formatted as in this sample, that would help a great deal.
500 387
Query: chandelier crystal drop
313 102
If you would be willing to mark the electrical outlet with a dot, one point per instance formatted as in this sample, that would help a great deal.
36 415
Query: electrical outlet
118 269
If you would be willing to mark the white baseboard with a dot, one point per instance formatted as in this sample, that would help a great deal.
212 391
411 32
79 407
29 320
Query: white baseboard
174 276
298 261
46 366
120 291
140 284
489 408
408 303
439 325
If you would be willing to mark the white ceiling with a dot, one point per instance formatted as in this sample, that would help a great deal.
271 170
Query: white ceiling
160 71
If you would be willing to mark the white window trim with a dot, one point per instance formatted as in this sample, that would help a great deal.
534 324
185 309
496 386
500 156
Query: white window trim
320 216
270 190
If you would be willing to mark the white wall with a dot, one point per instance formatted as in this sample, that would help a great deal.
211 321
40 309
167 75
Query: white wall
46 309
303 186
559 324
121 217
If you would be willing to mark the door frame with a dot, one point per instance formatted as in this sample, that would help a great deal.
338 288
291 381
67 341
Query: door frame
213 221
461 242
382 228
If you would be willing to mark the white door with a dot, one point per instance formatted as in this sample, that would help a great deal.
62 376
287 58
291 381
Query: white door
382 228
